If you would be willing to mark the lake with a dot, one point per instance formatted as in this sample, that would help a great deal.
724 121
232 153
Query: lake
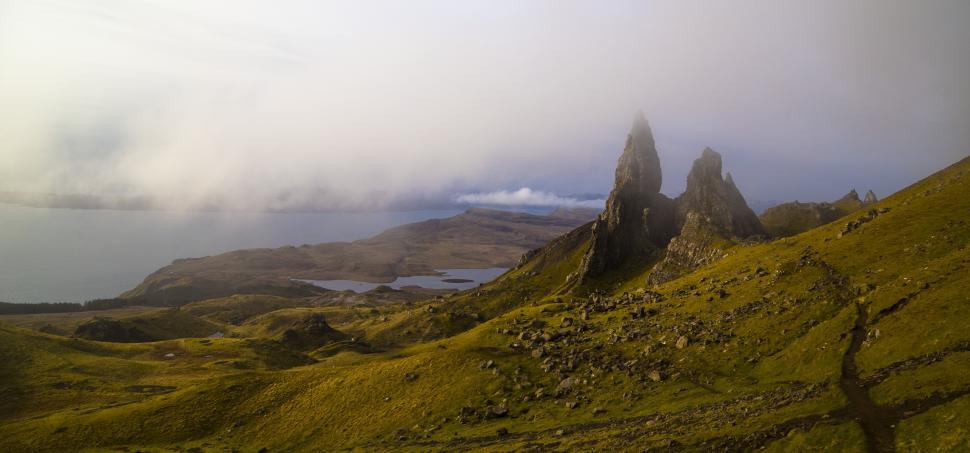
68 255
458 279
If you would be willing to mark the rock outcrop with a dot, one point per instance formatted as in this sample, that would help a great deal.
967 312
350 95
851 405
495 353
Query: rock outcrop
717 199
112 330
870 198
638 219
849 202
639 222
311 332
698 244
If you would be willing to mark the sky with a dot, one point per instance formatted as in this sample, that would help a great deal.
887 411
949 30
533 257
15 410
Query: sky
387 105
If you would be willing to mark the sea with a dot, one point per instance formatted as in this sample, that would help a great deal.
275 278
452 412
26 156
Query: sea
75 255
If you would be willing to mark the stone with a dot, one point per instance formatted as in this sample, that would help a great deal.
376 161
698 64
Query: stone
497 411
410 377
655 376
571 404
502 431
682 342
567 384
598 411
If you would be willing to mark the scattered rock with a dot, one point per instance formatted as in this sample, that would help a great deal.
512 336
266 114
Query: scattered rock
497 411
567 384
682 342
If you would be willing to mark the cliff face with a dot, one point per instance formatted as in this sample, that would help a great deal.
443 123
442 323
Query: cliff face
699 243
638 219
717 199
639 222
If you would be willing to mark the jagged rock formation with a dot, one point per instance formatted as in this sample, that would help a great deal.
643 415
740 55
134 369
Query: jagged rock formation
717 199
849 202
638 219
789 219
698 244
711 216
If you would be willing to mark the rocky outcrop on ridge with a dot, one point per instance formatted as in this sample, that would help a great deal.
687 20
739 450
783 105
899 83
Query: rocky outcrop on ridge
789 219
698 244
639 222
716 198
870 198
638 219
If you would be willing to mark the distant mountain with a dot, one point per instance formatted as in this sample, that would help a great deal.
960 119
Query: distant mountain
789 219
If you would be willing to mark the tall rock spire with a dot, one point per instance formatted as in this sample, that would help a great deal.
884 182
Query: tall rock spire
638 218
639 166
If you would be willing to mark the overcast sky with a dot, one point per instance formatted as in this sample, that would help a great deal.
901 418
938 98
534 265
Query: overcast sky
365 104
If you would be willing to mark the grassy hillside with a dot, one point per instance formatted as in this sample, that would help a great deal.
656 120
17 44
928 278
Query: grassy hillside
847 337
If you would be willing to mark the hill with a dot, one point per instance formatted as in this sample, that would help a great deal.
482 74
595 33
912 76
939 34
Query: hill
478 238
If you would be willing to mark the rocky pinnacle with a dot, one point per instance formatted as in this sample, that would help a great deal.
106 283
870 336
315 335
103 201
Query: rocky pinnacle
639 221
717 199
638 218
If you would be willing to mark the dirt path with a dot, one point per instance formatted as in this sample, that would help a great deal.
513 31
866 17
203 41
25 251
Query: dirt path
876 422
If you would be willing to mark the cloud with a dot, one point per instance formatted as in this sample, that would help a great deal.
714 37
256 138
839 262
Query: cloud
369 104
525 197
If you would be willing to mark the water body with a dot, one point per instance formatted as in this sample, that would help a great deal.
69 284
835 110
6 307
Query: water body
68 255
458 279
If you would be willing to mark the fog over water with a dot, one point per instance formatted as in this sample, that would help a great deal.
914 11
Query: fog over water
380 104
66 255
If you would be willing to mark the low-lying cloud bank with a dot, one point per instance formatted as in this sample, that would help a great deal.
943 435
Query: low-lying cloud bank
526 197
250 105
